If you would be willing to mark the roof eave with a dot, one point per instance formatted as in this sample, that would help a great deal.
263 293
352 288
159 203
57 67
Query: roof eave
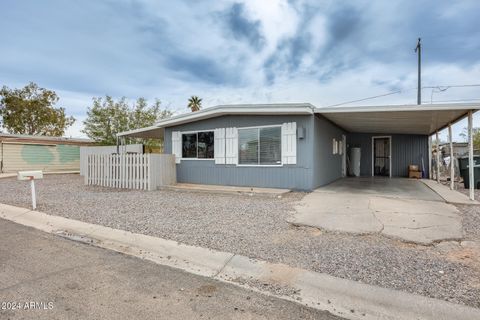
218 111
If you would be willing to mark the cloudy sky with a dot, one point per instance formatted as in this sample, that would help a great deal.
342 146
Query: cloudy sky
250 51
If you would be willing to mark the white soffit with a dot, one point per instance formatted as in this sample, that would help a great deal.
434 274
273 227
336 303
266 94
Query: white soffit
403 119
145 133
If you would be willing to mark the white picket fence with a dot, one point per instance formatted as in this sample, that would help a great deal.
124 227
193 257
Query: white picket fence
125 148
131 171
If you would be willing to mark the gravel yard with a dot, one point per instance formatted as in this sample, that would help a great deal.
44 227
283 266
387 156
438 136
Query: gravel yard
255 226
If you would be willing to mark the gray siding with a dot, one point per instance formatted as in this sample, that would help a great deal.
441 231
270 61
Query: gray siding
299 176
327 166
406 149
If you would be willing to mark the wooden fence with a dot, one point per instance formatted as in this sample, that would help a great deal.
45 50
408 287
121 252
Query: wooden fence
131 171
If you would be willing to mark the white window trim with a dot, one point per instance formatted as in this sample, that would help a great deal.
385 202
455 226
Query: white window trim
259 165
196 131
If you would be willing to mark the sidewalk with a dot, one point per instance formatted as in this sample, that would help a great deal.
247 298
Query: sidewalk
345 298
450 196
14 174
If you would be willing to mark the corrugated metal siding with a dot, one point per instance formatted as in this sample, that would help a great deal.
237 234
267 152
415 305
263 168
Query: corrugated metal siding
406 149
20 156
298 176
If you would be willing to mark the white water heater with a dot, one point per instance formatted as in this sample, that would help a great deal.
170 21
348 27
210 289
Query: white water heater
355 155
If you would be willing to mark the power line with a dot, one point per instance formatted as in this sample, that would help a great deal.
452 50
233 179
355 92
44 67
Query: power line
441 88
452 86
455 100
369 98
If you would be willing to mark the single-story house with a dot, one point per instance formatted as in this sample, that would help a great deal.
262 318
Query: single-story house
50 154
299 146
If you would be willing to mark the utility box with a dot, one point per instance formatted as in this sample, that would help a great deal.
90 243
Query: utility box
29 175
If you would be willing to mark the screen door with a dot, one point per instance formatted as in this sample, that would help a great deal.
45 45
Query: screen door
381 156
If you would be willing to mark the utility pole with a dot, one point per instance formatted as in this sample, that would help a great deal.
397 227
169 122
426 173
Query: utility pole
418 50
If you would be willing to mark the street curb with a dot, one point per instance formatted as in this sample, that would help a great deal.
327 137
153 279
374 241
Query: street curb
342 297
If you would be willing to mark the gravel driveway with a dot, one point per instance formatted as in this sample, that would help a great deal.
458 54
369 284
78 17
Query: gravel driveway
255 226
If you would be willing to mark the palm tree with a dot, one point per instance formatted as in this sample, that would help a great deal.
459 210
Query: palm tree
194 103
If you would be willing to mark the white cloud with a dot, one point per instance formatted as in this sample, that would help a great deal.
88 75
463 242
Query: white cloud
174 50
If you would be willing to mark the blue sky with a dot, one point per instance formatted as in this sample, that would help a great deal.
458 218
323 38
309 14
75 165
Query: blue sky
323 52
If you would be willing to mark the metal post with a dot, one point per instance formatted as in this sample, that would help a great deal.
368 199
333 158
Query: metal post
437 143
470 156
452 166
34 199
430 168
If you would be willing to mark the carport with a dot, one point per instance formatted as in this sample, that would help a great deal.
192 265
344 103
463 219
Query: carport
404 127
386 187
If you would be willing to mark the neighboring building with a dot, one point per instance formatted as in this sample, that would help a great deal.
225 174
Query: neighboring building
50 154
299 146
459 149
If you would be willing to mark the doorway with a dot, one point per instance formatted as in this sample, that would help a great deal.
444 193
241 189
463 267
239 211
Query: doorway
382 156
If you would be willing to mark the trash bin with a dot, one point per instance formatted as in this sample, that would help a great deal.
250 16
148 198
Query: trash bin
466 177
463 162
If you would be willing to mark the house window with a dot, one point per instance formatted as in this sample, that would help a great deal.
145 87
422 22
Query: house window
198 145
260 146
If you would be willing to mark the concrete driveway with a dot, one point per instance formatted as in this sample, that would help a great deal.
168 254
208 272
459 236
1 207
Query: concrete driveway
399 208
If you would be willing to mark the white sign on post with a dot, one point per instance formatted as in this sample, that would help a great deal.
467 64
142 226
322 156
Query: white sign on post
31 175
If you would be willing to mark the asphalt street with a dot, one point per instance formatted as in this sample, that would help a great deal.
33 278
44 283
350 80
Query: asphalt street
43 276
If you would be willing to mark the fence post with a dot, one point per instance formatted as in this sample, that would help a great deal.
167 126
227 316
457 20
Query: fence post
149 171
130 171
85 172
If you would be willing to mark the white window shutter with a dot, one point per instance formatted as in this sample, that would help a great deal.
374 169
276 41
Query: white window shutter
289 143
219 146
231 146
177 145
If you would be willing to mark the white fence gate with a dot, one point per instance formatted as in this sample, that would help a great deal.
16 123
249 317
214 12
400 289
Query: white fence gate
131 171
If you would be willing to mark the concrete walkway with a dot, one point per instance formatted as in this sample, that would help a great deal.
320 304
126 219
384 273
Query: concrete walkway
14 174
450 196
388 207
345 298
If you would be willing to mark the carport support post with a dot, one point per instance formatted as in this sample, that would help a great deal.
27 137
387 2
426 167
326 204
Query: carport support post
470 156
430 169
437 144
452 167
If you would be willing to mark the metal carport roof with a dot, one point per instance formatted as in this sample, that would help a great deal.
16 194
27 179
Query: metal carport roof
397 119
387 119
